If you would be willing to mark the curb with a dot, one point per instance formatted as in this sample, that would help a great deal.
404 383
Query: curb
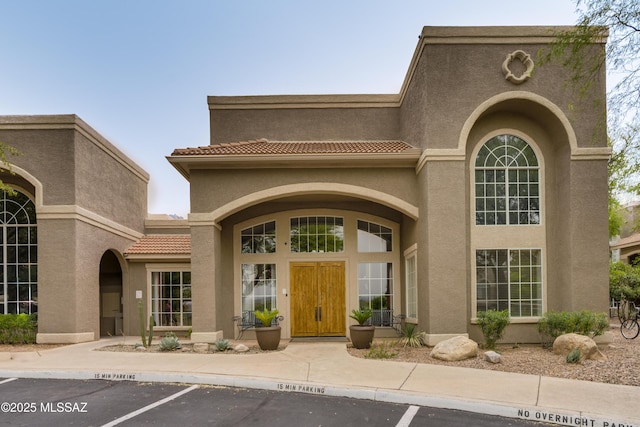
550 416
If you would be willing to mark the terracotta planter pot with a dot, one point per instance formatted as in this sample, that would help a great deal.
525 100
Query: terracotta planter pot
362 336
268 338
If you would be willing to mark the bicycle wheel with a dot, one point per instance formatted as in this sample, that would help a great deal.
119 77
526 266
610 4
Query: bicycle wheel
630 329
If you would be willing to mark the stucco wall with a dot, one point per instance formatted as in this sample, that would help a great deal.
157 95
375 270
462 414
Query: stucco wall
48 155
106 187
304 124
455 72
211 189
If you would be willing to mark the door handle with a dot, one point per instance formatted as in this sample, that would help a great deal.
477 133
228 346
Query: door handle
318 314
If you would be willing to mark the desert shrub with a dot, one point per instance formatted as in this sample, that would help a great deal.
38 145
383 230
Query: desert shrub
493 324
574 356
18 328
585 322
381 351
169 342
222 344
411 336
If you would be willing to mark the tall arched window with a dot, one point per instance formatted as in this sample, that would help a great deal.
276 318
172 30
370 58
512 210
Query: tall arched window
507 190
19 245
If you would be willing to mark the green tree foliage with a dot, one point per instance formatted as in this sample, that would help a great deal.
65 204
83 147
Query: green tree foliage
624 282
621 18
624 173
5 152
574 49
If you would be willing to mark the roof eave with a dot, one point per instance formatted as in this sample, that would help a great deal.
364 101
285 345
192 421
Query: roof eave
158 257
185 163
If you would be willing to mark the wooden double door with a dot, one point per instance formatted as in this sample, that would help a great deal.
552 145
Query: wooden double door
317 299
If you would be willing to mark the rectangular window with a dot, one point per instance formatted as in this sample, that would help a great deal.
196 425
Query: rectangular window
374 237
411 275
317 234
258 289
375 290
509 279
259 239
171 298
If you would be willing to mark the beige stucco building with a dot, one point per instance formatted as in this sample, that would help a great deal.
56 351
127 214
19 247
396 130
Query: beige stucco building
481 185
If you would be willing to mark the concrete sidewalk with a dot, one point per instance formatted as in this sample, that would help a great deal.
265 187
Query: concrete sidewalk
326 368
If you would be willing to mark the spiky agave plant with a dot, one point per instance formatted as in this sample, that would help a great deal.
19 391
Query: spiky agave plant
412 337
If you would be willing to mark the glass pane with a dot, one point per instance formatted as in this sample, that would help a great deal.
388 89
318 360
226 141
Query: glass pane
374 237
375 290
260 238
317 234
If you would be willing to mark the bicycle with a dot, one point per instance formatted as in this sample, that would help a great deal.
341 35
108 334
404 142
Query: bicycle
626 309
630 327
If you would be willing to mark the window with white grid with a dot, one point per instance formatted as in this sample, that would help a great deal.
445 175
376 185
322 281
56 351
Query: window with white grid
507 183
509 279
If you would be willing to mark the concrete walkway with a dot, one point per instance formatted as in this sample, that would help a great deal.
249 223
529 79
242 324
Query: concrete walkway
326 368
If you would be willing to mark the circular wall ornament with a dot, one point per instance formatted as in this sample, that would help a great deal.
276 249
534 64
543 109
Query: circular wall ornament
526 60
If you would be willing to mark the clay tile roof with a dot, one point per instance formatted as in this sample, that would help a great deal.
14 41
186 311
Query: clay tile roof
633 240
265 147
162 244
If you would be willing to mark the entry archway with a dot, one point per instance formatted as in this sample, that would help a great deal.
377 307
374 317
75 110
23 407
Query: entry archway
111 319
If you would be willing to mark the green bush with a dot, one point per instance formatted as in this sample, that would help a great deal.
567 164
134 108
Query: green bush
585 322
624 282
169 342
574 356
493 323
18 328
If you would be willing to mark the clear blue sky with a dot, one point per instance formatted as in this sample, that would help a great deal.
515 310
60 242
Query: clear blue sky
140 71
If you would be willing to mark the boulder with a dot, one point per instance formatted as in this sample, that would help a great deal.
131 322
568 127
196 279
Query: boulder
241 348
492 356
201 347
566 343
456 348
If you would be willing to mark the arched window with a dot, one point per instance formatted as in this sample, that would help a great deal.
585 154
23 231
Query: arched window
507 190
19 245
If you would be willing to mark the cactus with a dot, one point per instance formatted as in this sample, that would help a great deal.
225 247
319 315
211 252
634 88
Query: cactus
150 330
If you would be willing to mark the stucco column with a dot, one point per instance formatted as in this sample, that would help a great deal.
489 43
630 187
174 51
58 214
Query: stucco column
589 234
444 209
205 280
63 299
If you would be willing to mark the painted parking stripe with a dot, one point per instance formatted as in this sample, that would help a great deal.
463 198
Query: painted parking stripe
8 380
151 406
406 419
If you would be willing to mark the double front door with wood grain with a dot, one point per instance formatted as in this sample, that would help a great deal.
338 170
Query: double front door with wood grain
317 299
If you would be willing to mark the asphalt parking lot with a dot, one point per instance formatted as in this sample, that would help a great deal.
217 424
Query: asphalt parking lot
46 402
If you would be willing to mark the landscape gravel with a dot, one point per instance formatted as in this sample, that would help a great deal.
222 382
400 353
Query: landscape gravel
622 364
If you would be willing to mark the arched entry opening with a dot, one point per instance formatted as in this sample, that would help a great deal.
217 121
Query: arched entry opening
110 295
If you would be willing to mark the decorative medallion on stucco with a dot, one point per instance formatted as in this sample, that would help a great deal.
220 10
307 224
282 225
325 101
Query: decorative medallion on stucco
509 67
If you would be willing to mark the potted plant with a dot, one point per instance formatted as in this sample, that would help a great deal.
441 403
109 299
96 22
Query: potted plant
362 333
268 335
